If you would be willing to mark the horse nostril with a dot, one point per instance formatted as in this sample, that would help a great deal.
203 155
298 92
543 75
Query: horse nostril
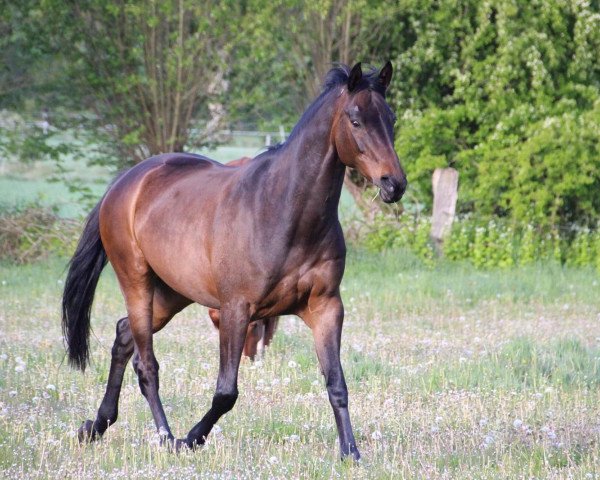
389 184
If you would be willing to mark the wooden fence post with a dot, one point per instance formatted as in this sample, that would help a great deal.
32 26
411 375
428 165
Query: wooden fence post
445 194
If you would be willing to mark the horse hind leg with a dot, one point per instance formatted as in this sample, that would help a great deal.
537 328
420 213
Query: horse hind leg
144 321
254 339
259 337
166 304
259 334
270 329
107 413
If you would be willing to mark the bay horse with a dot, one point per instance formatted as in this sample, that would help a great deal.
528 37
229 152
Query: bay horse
253 241
260 332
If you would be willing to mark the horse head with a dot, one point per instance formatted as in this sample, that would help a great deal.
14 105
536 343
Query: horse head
363 132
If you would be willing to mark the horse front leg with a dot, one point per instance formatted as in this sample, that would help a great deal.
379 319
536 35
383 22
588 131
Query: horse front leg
233 326
325 317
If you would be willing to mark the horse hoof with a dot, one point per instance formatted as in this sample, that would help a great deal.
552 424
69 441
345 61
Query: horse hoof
180 445
351 456
86 433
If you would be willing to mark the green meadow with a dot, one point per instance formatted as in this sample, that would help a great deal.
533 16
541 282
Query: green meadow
452 373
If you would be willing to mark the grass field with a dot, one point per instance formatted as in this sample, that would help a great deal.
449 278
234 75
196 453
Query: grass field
452 372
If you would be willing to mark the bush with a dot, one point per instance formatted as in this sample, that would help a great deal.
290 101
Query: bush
32 232
406 232
488 244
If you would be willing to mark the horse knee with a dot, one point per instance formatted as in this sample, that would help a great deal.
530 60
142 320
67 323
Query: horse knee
338 396
147 374
224 401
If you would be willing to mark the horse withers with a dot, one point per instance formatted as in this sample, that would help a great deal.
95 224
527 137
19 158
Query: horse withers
254 241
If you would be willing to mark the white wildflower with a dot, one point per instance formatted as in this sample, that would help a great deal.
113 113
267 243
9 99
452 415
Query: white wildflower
488 441
517 423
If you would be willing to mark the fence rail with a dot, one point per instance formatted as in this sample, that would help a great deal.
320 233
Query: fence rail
269 137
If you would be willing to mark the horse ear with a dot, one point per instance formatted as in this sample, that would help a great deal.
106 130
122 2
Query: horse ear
354 77
385 75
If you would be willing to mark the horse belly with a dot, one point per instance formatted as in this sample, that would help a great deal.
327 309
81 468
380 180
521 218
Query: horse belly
189 278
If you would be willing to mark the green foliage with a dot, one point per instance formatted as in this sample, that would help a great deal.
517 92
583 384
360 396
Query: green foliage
31 79
581 252
280 63
487 244
147 70
508 93
404 233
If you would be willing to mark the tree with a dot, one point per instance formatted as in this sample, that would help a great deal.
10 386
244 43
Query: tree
149 69
31 78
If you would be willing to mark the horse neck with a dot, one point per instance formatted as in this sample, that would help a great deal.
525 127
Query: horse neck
312 170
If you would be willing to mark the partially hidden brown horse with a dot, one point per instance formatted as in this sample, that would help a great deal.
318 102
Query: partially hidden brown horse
254 241
260 332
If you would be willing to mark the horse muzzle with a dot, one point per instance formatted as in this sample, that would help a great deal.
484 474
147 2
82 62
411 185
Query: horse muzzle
391 188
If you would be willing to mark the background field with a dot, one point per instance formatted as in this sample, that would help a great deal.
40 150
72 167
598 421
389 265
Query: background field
31 182
452 372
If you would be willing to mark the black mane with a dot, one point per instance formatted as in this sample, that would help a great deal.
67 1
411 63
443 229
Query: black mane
339 75
336 77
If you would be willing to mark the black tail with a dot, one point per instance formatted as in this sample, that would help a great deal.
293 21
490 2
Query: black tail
84 271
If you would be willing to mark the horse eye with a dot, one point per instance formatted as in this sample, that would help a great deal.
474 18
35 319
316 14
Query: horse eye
355 123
